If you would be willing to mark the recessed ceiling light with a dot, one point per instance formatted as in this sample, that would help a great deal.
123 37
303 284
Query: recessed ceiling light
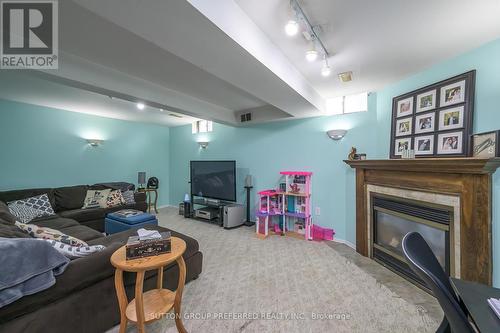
161 110
345 76
311 55
141 106
291 28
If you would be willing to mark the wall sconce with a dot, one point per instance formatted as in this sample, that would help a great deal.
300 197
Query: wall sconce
94 142
203 144
336 134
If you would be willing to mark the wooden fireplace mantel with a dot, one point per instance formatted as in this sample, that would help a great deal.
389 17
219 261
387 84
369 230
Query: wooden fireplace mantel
468 178
441 165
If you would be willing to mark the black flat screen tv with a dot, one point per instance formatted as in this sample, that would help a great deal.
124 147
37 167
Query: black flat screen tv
214 179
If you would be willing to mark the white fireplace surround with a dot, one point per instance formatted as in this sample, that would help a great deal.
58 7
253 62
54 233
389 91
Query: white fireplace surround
435 198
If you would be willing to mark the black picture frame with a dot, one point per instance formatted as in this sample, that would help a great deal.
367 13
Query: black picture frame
496 149
444 100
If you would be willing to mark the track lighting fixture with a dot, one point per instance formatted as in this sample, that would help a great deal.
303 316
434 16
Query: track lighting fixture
310 32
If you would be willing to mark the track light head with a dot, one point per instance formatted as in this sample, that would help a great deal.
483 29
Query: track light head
311 55
326 70
291 27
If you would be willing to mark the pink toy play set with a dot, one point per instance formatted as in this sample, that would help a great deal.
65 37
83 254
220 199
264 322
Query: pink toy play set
287 210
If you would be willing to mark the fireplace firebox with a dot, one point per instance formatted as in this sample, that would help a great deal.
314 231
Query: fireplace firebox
394 217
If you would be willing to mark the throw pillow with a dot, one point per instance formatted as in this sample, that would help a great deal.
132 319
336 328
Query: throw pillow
96 198
115 198
28 209
73 252
50 234
129 198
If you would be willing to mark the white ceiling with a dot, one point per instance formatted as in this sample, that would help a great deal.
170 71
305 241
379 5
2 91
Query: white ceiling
169 53
381 41
23 86
217 59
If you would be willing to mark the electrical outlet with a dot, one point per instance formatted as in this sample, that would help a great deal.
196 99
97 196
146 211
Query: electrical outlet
317 211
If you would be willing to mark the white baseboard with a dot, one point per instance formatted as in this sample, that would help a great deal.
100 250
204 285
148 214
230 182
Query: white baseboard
343 241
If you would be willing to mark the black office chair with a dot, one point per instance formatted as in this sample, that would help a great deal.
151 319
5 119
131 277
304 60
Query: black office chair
425 264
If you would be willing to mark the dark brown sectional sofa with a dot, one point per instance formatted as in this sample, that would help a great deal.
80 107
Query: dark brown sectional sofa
83 298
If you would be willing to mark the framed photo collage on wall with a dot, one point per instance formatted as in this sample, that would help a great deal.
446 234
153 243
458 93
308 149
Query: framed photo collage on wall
434 121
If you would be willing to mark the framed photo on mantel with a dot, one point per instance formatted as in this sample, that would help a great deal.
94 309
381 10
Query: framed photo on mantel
485 145
436 120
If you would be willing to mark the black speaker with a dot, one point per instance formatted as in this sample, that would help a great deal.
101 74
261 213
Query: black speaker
187 209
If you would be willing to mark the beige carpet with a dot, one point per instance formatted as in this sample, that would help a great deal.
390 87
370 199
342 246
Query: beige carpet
282 284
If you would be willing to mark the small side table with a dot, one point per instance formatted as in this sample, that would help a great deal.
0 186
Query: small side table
149 192
151 305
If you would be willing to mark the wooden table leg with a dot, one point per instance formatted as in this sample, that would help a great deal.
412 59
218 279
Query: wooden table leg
178 295
149 202
122 299
156 201
139 305
159 282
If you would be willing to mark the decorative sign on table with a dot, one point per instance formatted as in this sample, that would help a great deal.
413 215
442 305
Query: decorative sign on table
136 248
434 121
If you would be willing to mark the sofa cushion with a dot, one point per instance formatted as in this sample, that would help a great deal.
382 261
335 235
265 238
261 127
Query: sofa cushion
5 213
122 186
128 196
114 199
55 222
70 227
69 197
83 215
14 195
82 232
49 233
27 209
96 198
9 230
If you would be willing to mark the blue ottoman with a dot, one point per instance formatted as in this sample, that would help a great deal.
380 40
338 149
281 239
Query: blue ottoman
114 222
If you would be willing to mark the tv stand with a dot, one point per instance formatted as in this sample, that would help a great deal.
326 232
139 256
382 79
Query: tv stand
207 213
227 214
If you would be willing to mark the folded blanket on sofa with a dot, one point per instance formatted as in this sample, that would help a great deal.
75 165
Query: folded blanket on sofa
27 267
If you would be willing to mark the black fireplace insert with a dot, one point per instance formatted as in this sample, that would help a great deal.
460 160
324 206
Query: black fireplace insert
394 217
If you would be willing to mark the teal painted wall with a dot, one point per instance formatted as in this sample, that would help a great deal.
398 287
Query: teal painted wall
44 147
264 150
486 115
258 149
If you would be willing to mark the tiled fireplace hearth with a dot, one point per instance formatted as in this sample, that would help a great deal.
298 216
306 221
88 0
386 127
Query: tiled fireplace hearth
448 201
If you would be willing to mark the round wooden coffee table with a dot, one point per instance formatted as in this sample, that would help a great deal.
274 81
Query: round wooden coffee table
153 304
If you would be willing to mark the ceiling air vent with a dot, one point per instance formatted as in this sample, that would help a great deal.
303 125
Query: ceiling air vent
246 117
